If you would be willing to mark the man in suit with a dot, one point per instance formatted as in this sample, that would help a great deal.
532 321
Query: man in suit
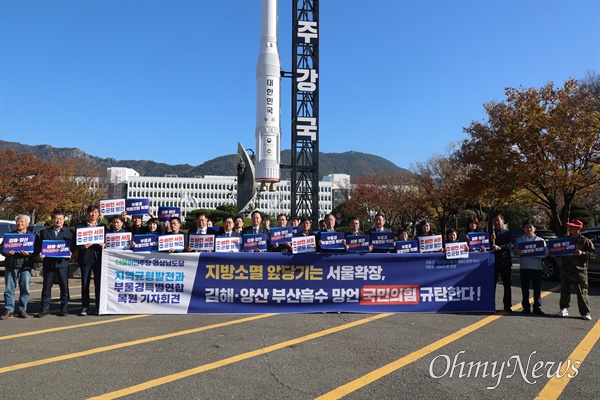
90 260
502 246
201 225
228 230
379 226
55 266
256 226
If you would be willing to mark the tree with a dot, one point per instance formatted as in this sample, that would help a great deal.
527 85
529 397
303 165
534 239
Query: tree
393 195
81 186
27 185
440 182
546 141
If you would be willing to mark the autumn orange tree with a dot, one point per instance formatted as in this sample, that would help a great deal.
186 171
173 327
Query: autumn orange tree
544 141
391 194
31 186
27 185
440 179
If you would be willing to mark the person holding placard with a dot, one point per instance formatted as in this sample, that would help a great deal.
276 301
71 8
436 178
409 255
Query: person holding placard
55 267
573 270
137 227
354 224
282 222
306 225
17 268
423 229
266 223
238 224
256 226
379 224
472 226
175 225
451 237
117 224
329 227
294 221
530 269
201 225
228 230
153 226
90 260
403 234
502 246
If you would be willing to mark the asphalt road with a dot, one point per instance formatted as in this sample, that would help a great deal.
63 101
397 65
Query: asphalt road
302 356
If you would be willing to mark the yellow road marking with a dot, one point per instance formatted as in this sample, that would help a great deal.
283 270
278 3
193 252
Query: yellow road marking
234 359
555 386
414 356
50 360
62 328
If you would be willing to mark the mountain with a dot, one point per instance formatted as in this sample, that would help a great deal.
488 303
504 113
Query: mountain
353 163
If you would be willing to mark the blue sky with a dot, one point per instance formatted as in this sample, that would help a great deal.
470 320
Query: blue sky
174 81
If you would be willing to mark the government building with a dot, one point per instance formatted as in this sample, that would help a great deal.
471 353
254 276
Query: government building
211 191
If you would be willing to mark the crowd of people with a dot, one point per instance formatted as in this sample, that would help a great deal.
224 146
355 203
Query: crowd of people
18 264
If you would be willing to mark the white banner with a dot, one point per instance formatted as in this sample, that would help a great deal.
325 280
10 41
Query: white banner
155 283
91 235
118 241
202 242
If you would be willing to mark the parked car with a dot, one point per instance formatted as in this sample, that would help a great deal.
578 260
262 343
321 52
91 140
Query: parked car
35 228
5 227
550 267
593 265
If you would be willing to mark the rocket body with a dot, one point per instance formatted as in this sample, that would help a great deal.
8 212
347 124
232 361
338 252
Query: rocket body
268 98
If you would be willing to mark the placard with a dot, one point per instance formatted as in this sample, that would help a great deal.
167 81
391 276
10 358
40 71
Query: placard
137 206
168 242
147 242
166 213
17 242
118 240
89 235
478 239
281 234
562 246
228 244
407 246
112 206
332 240
202 242
304 244
254 242
534 248
382 240
428 244
457 250
56 248
357 243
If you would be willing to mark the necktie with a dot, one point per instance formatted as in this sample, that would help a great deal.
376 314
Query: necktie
255 230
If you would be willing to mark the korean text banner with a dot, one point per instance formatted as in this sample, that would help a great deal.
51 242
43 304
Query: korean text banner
237 283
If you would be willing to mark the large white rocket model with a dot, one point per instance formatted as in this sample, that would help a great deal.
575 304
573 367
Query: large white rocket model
268 100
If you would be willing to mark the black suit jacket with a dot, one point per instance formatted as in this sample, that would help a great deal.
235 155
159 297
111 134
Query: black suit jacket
233 234
249 230
63 234
93 253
